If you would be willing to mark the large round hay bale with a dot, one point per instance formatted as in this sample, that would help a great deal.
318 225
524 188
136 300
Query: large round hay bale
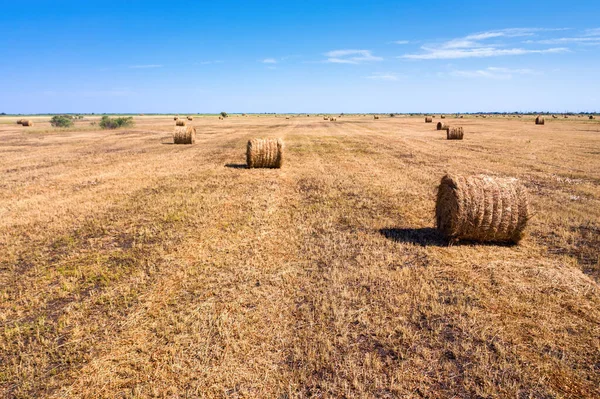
591 116
180 122
428 119
482 208
441 126
184 135
20 121
26 122
264 153
190 118
539 120
325 118
443 116
454 133
461 116
375 117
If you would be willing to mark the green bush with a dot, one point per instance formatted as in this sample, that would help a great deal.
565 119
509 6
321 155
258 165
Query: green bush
224 114
61 121
114 123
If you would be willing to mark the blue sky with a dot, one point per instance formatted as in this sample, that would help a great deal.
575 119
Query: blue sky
302 56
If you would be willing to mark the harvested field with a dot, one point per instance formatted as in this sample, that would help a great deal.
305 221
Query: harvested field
131 267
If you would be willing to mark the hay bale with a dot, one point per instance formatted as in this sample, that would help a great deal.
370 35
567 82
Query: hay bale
325 118
460 117
591 116
443 116
175 118
454 133
287 117
26 122
441 126
264 153
20 121
375 117
482 208
190 118
180 122
220 118
539 120
428 119
184 135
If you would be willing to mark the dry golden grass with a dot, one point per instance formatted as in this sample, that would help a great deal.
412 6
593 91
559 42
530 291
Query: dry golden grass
131 267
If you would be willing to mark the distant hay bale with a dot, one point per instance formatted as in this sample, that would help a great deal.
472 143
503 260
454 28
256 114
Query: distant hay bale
184 135
591 116
566 116
443 116
375 117
287 117
264 153
190 118
220 118
26 122
333 119
554 116
441 126
454 133
428 119
175 118
180 122
461 117
539 120
482 208
20 121
325 118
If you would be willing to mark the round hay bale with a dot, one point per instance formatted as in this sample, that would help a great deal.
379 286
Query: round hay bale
26 122
175 118
220 118
20 121
190 118
454 133
428 119
460 117
443 116
375 117
264 153
482 208
180 122
591 116
184 135
539 120
441 126
287 117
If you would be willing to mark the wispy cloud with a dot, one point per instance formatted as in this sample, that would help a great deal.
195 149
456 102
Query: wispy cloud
210 62
401 42
116 92
492 73
383 76
269 61
350 56
145 66
437 54
475 46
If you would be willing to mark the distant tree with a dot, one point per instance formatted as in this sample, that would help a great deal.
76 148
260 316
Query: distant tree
4 113
392 115
61 121
224 114
114 123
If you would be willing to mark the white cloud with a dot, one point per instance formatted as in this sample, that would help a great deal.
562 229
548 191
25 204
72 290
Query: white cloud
444 54
350 56
383 76
269 61
210 62
402 42
492 73
145 66
592 32
563 40
475 46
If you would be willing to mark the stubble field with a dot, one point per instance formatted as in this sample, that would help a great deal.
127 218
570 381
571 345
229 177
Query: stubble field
131 267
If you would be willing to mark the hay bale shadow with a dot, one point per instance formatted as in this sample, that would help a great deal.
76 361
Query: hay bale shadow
236 166
425 237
